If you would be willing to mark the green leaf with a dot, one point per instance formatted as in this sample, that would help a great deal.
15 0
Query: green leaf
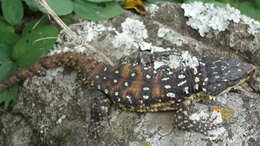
8 95
7 41
100 1
34 24
67 19
60 7
4 27
33 45
93 11
6 69
257 17
257 3
33 4
4 56
12 11
247 9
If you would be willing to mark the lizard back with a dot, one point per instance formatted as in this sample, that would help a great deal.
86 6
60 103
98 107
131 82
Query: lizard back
140 88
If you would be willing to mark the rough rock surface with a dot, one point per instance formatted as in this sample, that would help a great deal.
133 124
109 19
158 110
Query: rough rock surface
54 109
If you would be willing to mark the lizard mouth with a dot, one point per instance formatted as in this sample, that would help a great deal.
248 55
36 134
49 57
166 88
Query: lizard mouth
252 72
250 75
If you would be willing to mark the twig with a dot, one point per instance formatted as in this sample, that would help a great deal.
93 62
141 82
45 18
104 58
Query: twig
72 34
46 38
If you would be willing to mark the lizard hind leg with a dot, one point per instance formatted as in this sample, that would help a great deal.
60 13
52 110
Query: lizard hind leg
184 122
99 114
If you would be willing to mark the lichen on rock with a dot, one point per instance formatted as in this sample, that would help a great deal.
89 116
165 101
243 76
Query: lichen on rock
57 107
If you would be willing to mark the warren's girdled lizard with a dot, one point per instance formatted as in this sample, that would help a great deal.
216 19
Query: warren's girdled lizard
141 88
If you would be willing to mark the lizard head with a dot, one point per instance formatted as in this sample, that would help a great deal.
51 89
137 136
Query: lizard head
222 74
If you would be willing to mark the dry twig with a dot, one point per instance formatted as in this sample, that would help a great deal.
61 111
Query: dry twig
79 40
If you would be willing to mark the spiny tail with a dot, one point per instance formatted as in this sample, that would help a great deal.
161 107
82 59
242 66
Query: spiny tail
80 62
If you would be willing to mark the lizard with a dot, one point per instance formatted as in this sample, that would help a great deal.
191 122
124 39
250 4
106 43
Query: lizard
139 87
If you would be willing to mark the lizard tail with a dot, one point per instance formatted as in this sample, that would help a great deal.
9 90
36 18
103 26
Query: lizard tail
80 62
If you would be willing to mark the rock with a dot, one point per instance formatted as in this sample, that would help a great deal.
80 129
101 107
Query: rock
57 108
15 130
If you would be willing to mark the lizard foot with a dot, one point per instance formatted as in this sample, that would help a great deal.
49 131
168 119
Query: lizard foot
184 122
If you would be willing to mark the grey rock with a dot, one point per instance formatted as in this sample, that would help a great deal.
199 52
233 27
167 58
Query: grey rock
54 109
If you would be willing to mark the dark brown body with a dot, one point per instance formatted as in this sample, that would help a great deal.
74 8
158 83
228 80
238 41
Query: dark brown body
140 88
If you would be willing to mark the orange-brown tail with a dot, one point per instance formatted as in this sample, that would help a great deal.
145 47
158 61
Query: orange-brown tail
80 62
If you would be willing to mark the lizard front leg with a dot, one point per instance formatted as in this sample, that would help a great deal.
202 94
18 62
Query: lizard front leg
184 122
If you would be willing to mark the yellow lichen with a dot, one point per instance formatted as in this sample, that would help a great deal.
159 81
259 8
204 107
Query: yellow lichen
227 113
